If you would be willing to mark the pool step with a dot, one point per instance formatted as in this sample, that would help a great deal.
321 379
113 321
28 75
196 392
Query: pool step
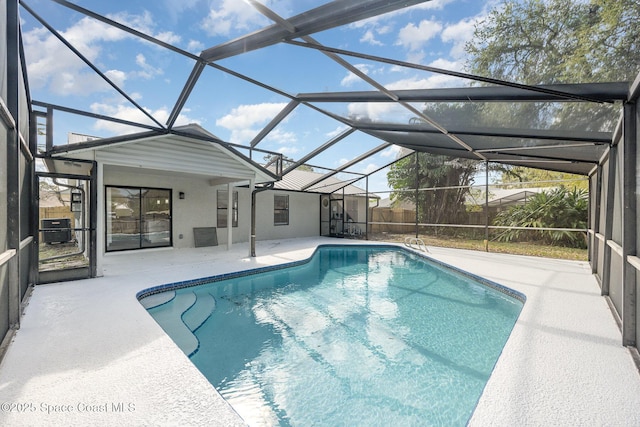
169 317
155 300
199 312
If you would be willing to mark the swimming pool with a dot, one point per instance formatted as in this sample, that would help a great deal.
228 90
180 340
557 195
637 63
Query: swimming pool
356 335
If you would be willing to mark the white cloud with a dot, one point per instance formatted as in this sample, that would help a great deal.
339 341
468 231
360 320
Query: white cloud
352 78
148 71
415 57
245 116
242 136
176 8
387 111
369 110
168 37
131 113
385 29
391 152
241 121
51 64
414 82
433 80
428 5
369 168
459 34
195 46
447 64
76 82
370 38
116 76
231 15
337 131
414 37
282 137
145 23
289 151
432 5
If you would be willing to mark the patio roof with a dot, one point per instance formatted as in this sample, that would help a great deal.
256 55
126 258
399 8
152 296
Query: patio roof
298 179
189 150
574 150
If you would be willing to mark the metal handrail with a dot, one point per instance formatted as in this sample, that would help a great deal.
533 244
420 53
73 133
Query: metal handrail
420 245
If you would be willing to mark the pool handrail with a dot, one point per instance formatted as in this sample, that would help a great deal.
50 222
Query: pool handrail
409 241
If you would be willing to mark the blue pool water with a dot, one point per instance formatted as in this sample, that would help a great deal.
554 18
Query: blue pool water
357 336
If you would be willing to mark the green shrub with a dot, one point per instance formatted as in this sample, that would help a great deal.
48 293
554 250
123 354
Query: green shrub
558 208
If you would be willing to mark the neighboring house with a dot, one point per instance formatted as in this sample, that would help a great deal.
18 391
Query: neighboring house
501 199
162 190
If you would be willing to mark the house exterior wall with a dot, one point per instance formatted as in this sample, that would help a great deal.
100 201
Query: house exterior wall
304 216
199 207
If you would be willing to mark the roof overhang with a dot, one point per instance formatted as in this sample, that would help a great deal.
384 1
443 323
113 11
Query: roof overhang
185 153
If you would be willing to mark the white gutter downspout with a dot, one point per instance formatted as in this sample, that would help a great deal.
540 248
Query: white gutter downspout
100 221
229 216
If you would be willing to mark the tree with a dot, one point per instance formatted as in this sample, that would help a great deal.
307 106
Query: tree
436 206
559 41
286 162
51 190
542 178
533 42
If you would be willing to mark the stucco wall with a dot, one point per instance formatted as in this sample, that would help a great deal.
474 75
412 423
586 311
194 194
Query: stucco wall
198 208
304 216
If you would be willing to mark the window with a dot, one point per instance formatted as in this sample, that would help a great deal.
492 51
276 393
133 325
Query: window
137 218
223 198
280 210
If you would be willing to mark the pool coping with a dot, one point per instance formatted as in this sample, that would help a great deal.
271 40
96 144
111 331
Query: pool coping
250 272
185 284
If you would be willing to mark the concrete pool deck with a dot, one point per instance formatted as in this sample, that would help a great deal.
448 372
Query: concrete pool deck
87 353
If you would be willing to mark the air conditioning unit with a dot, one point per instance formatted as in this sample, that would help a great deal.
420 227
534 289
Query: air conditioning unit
56 230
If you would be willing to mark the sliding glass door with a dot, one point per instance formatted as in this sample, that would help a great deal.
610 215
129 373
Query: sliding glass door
137 218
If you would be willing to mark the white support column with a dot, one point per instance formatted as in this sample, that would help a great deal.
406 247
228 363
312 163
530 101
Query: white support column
252 183
229 215
100 220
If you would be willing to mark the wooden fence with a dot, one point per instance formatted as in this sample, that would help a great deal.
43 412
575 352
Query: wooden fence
397 216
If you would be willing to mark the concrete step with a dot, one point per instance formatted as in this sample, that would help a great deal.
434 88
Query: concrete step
169 317
157 299
199 312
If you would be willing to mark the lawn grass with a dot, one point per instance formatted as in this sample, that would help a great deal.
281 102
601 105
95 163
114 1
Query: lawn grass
530 249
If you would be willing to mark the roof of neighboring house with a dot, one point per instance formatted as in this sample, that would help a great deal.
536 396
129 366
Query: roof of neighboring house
511 196
399 204
497 197
297 180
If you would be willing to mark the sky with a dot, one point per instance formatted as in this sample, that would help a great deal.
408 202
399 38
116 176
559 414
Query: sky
432 33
